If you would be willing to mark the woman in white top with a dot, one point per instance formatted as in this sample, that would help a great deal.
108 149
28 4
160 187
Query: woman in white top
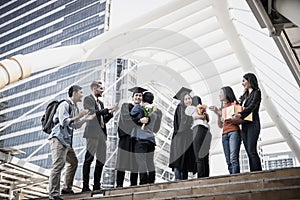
202 137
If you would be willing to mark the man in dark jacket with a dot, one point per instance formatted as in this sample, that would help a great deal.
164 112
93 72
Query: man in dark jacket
95 134
126 159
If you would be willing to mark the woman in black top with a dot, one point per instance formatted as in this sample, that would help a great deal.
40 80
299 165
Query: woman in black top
250 100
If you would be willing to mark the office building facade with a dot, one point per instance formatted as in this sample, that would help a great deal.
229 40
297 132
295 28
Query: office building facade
279 160
28 26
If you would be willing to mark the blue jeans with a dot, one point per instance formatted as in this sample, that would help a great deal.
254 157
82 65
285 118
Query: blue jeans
250 134
180 175
231 145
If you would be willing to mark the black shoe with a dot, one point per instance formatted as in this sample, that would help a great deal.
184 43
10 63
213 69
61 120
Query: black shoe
119 186
86 189
67 191
99 191
96 188
55 198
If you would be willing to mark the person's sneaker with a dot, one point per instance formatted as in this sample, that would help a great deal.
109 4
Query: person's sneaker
67 191
86 189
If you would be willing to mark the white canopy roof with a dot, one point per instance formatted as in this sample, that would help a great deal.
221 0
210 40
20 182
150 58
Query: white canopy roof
203 45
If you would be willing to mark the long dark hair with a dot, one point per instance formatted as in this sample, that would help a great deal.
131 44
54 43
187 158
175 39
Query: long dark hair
196 100
185 120
182 99
253 83
229 95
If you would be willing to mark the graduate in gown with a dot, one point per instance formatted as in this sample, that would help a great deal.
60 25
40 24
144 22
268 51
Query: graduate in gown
126 159
182 158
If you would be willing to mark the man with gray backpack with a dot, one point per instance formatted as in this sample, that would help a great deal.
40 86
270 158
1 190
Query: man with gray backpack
67 117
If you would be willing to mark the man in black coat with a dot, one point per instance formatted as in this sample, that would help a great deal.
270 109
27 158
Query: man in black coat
95 134
126 159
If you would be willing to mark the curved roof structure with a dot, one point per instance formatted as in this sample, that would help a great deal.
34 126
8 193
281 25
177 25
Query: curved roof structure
203 45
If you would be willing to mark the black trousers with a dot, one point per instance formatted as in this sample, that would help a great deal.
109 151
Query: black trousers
144 154
126 161
202 139
121 176
250 135
98 148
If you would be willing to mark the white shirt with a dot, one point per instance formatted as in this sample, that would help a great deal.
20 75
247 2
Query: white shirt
193 111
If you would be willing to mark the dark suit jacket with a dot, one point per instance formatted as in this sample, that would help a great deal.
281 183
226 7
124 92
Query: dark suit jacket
93 128
252 103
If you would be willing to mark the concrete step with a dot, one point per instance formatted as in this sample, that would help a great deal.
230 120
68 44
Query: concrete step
250 186
290 193
284 193
225 179
273 184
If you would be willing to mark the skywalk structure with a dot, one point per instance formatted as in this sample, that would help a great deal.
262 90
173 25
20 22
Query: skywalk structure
202 45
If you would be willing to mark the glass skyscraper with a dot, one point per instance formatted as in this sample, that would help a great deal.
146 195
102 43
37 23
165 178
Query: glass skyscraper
25 27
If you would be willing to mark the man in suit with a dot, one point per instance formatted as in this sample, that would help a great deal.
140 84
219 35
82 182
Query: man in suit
95 134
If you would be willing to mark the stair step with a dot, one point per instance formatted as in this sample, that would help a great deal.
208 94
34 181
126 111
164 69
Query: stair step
225 179
273 184
239 187
291 193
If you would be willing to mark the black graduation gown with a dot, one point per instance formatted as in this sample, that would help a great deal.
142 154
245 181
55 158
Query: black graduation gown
181 151
125 159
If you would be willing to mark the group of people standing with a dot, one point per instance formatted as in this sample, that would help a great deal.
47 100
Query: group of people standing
139 121
192 137
68 118
136 134
137 144
238 129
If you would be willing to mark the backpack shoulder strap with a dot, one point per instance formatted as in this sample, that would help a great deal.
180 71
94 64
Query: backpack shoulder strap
68 101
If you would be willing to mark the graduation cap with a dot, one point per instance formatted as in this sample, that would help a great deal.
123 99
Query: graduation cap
181 92
137 90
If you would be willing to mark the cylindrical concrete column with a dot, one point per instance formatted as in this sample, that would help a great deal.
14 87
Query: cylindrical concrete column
12 69
25 69
3 77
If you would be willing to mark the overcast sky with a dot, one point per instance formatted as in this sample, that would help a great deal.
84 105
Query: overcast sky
123 11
